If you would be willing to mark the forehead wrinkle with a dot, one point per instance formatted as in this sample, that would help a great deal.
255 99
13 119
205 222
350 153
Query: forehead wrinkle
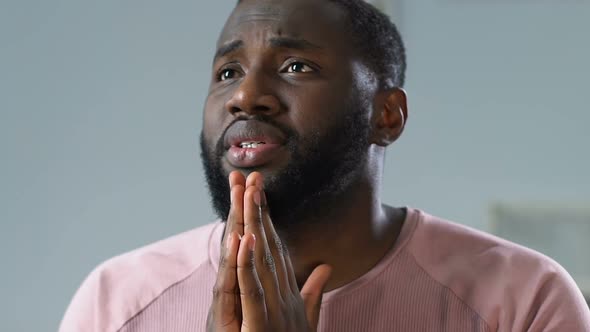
234 31
257 17
256 14
271 12
269 20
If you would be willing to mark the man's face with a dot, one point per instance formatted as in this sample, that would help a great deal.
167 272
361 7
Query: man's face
288 98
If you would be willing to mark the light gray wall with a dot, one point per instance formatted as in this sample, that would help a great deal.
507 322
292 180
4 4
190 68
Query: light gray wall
100 112
499 93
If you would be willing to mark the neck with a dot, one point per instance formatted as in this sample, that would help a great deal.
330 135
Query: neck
354 233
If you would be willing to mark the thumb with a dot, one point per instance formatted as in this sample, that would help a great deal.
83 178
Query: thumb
312 292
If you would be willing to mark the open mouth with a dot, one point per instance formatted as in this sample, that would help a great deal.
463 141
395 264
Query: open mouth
251 144
253 153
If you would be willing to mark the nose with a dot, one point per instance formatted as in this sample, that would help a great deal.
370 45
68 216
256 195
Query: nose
254 95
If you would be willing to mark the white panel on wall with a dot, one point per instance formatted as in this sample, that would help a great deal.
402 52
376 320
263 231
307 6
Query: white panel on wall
561 232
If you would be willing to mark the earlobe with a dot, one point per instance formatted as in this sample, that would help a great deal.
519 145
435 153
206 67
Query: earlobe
391 116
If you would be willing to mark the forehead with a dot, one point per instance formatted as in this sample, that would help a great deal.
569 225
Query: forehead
318 21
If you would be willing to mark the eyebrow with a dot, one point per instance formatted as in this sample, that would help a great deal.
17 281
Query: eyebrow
225 49
276 42
293 43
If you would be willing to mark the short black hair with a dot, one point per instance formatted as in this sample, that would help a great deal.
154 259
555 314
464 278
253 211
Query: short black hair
377 41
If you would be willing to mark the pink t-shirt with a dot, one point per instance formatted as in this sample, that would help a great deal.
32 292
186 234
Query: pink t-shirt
439 276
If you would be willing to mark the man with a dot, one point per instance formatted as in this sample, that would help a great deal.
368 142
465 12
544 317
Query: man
305 96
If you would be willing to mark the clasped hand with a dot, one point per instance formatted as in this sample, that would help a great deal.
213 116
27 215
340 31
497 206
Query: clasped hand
256 289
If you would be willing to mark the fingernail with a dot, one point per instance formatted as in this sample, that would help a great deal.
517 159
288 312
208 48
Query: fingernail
257 199
252 243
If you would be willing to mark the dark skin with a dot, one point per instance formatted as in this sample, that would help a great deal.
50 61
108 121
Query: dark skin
290 60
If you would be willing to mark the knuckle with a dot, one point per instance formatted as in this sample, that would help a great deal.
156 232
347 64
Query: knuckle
247 264
233 219
216 292
252 260
256 293
269 262
225 261
285 250
281 249
220 291
222 262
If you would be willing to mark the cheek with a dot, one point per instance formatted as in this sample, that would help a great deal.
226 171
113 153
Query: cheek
316 107
213 120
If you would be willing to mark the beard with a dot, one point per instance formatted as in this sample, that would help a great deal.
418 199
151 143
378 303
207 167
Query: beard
321 169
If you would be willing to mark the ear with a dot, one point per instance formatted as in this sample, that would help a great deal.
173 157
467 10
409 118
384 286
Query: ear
390 116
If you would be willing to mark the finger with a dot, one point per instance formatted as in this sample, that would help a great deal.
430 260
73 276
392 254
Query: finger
236 178
291 277
251 292
312 293
275 243
264 260
235 219
276 246
225 292
255 179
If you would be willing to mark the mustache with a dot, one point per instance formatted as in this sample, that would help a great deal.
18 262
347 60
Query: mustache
290 134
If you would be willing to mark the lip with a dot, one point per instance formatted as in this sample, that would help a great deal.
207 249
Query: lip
253 131
252 157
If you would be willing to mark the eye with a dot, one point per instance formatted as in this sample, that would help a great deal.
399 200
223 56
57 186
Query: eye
298 67
226 74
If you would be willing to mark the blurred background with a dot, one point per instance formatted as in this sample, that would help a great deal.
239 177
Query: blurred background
100 112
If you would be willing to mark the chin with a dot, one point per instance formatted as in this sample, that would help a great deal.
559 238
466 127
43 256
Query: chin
268 171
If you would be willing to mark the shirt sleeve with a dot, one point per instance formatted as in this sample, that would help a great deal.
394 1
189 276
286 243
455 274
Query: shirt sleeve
559 305
110 295
84 311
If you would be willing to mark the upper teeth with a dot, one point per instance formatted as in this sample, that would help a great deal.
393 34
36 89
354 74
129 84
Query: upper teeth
250 145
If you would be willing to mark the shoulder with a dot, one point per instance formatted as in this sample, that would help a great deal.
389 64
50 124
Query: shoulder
122 286
438 243
503 282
